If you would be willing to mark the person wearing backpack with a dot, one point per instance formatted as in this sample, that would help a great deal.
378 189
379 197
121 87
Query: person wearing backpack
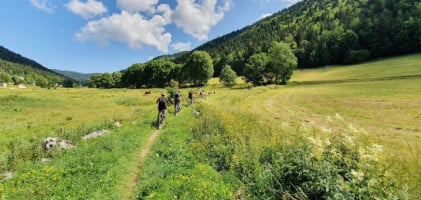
163 103
177 101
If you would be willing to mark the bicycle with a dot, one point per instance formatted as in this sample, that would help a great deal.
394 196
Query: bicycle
161 119
177 108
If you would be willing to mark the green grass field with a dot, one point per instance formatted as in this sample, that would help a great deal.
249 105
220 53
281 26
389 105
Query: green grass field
215 156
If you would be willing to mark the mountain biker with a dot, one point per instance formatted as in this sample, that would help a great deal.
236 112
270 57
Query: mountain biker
177 98
163 103
190 97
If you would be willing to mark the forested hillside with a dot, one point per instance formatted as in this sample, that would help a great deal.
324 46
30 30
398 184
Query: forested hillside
309 34
81 77
323 32
17 69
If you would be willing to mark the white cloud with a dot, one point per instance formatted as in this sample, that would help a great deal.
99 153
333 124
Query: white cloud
264 15
134 6
88 9
137 29
181 46
132 29
197 19
44 5
291 1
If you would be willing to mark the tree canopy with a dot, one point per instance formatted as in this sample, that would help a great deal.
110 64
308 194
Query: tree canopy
198 68
281 63
227 76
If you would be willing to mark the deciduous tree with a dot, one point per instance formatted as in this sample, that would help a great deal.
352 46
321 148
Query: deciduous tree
282 62
227 76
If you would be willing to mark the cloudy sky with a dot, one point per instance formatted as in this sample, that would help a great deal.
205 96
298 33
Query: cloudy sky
110 35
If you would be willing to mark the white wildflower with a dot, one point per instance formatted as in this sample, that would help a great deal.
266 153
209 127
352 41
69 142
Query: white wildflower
327 142
316 141
329 119
326 130
358 175
318 146
370 154
305 127
348 140
352 128
338 116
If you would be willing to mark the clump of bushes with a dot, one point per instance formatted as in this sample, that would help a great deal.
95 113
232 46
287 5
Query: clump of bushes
308 164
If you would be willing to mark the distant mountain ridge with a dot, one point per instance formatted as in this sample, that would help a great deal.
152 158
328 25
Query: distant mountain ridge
81 77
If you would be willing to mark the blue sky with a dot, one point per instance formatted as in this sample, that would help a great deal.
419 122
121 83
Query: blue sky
110 35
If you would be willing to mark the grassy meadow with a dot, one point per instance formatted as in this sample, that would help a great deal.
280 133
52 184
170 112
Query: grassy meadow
341 132
96 167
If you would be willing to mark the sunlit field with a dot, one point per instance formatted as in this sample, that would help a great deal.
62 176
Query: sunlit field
375 116
391 68
96 168
347 131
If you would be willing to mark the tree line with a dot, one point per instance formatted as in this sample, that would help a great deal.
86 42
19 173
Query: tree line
274 67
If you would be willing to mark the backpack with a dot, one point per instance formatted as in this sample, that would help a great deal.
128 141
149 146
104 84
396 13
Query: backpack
177 95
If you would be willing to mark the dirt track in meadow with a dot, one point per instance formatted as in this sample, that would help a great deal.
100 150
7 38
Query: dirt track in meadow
131 184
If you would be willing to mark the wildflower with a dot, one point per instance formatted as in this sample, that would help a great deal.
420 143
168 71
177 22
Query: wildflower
371 154
327 142
329 119
358 175
326 130
337 116
318 146
352 128
348 140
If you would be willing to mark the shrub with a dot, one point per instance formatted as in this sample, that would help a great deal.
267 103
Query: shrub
310 166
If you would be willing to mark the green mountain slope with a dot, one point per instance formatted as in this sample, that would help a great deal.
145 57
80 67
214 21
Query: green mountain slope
326 32
81 77
16 69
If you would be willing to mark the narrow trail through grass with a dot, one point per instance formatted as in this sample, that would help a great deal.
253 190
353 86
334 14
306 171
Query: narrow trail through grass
131 184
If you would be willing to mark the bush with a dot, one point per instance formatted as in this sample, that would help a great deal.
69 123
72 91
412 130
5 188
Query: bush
310 166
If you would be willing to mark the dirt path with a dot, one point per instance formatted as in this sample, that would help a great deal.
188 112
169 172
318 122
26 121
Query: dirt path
131 184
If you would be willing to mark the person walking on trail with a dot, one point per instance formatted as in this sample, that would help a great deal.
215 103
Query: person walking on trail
190 97
163 103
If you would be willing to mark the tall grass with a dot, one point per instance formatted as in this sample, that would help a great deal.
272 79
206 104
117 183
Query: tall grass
308 163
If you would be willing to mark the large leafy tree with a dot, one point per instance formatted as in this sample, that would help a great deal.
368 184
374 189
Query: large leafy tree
132 76
227 76
255 68
104 80
198 68
282 62
158 73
